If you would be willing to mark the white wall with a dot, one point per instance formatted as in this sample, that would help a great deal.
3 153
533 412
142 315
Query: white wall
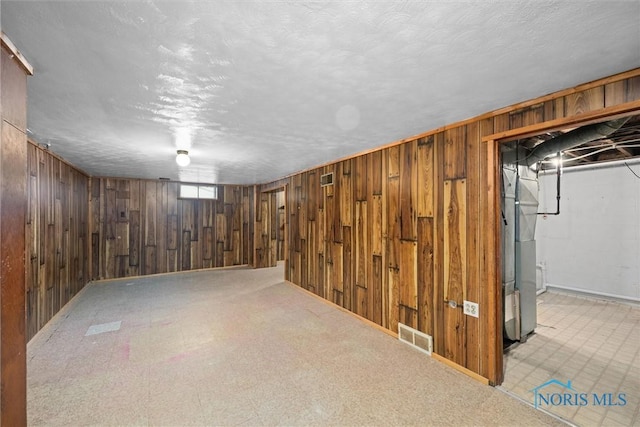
594 244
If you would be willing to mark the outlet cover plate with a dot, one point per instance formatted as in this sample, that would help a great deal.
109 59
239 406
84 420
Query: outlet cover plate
471 308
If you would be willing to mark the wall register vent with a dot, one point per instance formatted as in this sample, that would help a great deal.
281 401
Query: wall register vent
415 339
326 179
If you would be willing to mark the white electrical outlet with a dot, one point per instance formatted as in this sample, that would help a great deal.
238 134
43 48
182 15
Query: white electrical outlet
471 308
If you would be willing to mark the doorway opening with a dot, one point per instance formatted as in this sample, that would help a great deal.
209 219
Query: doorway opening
281 210
571 275
271 232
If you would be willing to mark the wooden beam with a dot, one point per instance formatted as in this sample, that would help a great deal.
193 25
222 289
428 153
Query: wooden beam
623 150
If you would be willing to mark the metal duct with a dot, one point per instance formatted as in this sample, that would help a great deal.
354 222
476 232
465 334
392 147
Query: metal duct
563 142
519 207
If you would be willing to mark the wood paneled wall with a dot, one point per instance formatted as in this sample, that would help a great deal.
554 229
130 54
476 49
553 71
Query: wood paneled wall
411 226
13 204
141 227
57 262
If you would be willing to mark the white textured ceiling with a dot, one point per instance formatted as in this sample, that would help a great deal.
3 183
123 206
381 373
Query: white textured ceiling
256 90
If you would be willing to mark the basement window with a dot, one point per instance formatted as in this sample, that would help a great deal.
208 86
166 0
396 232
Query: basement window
192 191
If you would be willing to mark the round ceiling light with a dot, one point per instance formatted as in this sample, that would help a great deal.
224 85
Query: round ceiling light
182 159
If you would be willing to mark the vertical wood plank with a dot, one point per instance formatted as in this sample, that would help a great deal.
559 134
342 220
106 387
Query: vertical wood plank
407 275
186 250
122 239
361 244
425 177
384 197
377 227
332 203
346 195
248 226
172 260
207 248
633 89
150 217
455 274
312 258
228 228
95 253
321 276
313 194
394 299
531 116
347 271
491 318
337 278
161 227
425 276
134 238
42 203
438 247
149 259
134 194
172 232
393 161
455 152
375 171
377 289
360 301
502 123
486 127
360 177
408 191
472 207
111 214
584 101
615 93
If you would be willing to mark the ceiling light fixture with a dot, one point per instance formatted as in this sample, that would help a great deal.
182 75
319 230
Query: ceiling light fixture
182 158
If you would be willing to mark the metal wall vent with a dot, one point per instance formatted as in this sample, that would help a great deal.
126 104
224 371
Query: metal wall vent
326 179
415 339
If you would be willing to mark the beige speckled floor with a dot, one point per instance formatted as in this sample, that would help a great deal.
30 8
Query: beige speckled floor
240 347
591 342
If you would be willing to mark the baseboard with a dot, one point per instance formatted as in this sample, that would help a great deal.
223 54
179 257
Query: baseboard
593 294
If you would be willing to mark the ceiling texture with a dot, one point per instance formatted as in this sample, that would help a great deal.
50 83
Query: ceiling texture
257 90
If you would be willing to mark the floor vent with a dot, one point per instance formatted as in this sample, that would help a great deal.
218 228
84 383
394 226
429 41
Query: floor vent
416 339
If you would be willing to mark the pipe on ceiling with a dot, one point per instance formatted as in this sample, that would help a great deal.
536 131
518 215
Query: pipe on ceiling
563 142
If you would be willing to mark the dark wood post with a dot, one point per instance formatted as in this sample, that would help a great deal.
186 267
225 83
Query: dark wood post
13 201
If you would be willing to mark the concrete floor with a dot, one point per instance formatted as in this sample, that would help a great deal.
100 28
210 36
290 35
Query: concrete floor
240 347
593 343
